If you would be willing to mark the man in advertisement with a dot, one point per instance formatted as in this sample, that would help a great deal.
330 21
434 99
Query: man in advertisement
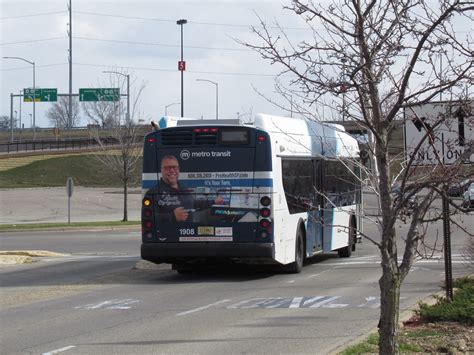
174 202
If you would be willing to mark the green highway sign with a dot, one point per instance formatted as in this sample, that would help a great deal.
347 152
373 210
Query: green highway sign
103 94
41 95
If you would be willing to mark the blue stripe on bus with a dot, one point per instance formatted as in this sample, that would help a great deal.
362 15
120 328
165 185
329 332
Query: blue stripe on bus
147 184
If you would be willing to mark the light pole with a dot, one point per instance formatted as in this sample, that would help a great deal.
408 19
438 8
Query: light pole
166 107
31 125
34 91
16 118
441 52
182 64
21 91
217 95
128 90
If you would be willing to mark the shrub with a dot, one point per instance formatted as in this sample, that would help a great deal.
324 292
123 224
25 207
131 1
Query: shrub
461 309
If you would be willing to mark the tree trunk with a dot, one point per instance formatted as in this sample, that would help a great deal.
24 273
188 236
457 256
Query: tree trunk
390 300
125 197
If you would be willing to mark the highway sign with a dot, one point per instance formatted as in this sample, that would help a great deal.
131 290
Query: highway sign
443 128
100 94
42 95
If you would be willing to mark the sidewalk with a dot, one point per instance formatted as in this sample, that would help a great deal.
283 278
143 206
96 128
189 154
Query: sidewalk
48 205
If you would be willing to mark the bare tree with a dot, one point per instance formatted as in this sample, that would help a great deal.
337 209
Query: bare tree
103 113
369 61
4 122
120 158
58 113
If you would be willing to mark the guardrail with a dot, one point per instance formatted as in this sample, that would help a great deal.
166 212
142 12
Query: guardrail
54 144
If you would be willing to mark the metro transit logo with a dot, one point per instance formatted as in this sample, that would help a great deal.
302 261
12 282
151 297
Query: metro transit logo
185 154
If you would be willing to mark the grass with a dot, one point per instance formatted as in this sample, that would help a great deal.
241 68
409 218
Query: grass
367 346
370 346
460 310
29 226
85 170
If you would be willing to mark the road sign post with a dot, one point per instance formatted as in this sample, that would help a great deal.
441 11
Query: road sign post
99 94
69 190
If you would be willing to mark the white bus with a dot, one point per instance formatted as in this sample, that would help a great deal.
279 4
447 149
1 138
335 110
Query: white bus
276 190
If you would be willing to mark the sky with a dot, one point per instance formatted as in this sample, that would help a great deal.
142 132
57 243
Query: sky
141 38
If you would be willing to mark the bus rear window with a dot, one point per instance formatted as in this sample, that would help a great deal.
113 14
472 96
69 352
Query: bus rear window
234 136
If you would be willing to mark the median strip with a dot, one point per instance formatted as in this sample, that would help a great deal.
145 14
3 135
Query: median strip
15 257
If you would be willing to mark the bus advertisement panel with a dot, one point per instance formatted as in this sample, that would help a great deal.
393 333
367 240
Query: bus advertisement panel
206 194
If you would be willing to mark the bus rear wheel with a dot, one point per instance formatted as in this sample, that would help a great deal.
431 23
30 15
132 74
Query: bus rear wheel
296 266
346 252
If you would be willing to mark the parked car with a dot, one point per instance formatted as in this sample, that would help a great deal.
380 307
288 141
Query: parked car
409 206
457 189
468 197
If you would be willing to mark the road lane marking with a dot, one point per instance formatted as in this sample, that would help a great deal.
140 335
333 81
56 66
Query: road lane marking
432 261
321 303
60 350
203 307
289 302
110 304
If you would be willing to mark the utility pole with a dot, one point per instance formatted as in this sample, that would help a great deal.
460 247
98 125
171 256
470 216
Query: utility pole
69 124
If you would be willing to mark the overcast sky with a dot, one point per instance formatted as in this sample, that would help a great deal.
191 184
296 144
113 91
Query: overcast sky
143 39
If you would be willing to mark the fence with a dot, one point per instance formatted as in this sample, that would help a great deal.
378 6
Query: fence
54 144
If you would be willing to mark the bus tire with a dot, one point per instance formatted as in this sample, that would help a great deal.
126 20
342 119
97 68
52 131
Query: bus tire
346 252
296 266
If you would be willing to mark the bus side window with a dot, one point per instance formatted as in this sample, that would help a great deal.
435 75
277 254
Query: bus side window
298 184
340 183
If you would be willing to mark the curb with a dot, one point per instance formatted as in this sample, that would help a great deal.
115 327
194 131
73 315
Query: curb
132 228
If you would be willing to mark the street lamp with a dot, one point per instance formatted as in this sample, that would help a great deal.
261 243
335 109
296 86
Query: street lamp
182 64
128 90
166 107
217 95
34 91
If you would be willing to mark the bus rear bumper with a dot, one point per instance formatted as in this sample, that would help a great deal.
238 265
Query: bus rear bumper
170 252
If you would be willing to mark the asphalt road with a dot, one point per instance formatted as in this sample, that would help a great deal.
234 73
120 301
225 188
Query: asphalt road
96 301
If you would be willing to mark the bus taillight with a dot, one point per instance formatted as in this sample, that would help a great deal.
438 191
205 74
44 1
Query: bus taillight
146 202
265 212
265 223
147 224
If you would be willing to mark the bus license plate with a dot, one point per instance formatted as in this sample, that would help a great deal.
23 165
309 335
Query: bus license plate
205 230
